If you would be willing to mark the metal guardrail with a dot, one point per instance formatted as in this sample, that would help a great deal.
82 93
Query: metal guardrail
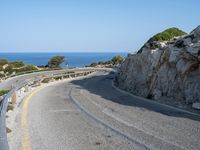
3 108
3 132
27 72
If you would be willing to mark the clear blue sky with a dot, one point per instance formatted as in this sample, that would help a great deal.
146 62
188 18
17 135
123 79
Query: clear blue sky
90 25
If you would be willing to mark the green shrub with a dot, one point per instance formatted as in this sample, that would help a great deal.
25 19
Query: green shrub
45 80
69 72
100 62
93 64
17 64
2 92
117 60
26 68
66 76
57 77
3 62
108 62
167 35
2 75
9 69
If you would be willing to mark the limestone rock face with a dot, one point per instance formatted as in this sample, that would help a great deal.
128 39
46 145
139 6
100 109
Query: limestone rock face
165 70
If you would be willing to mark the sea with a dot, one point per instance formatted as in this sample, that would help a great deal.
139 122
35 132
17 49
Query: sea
71 59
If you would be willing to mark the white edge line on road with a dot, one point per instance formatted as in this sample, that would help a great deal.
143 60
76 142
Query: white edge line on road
92 101
64 110
112 115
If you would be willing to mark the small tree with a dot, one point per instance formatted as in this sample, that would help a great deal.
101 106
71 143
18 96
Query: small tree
56 61
117 60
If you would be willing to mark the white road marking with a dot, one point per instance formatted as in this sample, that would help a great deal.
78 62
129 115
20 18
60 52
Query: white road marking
81 91
88 98
111 114
64 110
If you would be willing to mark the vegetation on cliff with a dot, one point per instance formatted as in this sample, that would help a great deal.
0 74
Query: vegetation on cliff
167 35
116 60
11 68
3 62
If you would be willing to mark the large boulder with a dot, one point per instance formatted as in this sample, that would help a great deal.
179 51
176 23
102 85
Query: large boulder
164 69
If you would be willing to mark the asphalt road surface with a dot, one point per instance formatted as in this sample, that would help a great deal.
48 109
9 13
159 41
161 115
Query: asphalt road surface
13 81
89 114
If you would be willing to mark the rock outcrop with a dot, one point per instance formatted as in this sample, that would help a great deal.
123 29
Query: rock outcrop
164 70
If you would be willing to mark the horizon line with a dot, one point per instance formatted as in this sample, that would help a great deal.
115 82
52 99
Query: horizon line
67 52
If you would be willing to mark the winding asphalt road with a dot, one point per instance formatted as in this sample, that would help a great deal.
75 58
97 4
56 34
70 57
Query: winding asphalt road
13 81
90 114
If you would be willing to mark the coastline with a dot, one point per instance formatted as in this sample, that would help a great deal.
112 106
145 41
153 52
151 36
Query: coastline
73 59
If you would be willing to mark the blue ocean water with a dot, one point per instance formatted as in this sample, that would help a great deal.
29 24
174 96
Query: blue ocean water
72 59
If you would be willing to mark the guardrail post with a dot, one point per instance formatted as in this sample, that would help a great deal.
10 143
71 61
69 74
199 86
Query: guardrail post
26 88
14 98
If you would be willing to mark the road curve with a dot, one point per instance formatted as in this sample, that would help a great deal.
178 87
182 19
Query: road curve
90 114
17 79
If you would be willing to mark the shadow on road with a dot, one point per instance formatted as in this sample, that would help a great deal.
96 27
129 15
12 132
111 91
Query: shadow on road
101 85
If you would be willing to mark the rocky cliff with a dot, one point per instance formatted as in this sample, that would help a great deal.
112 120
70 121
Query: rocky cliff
164 70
